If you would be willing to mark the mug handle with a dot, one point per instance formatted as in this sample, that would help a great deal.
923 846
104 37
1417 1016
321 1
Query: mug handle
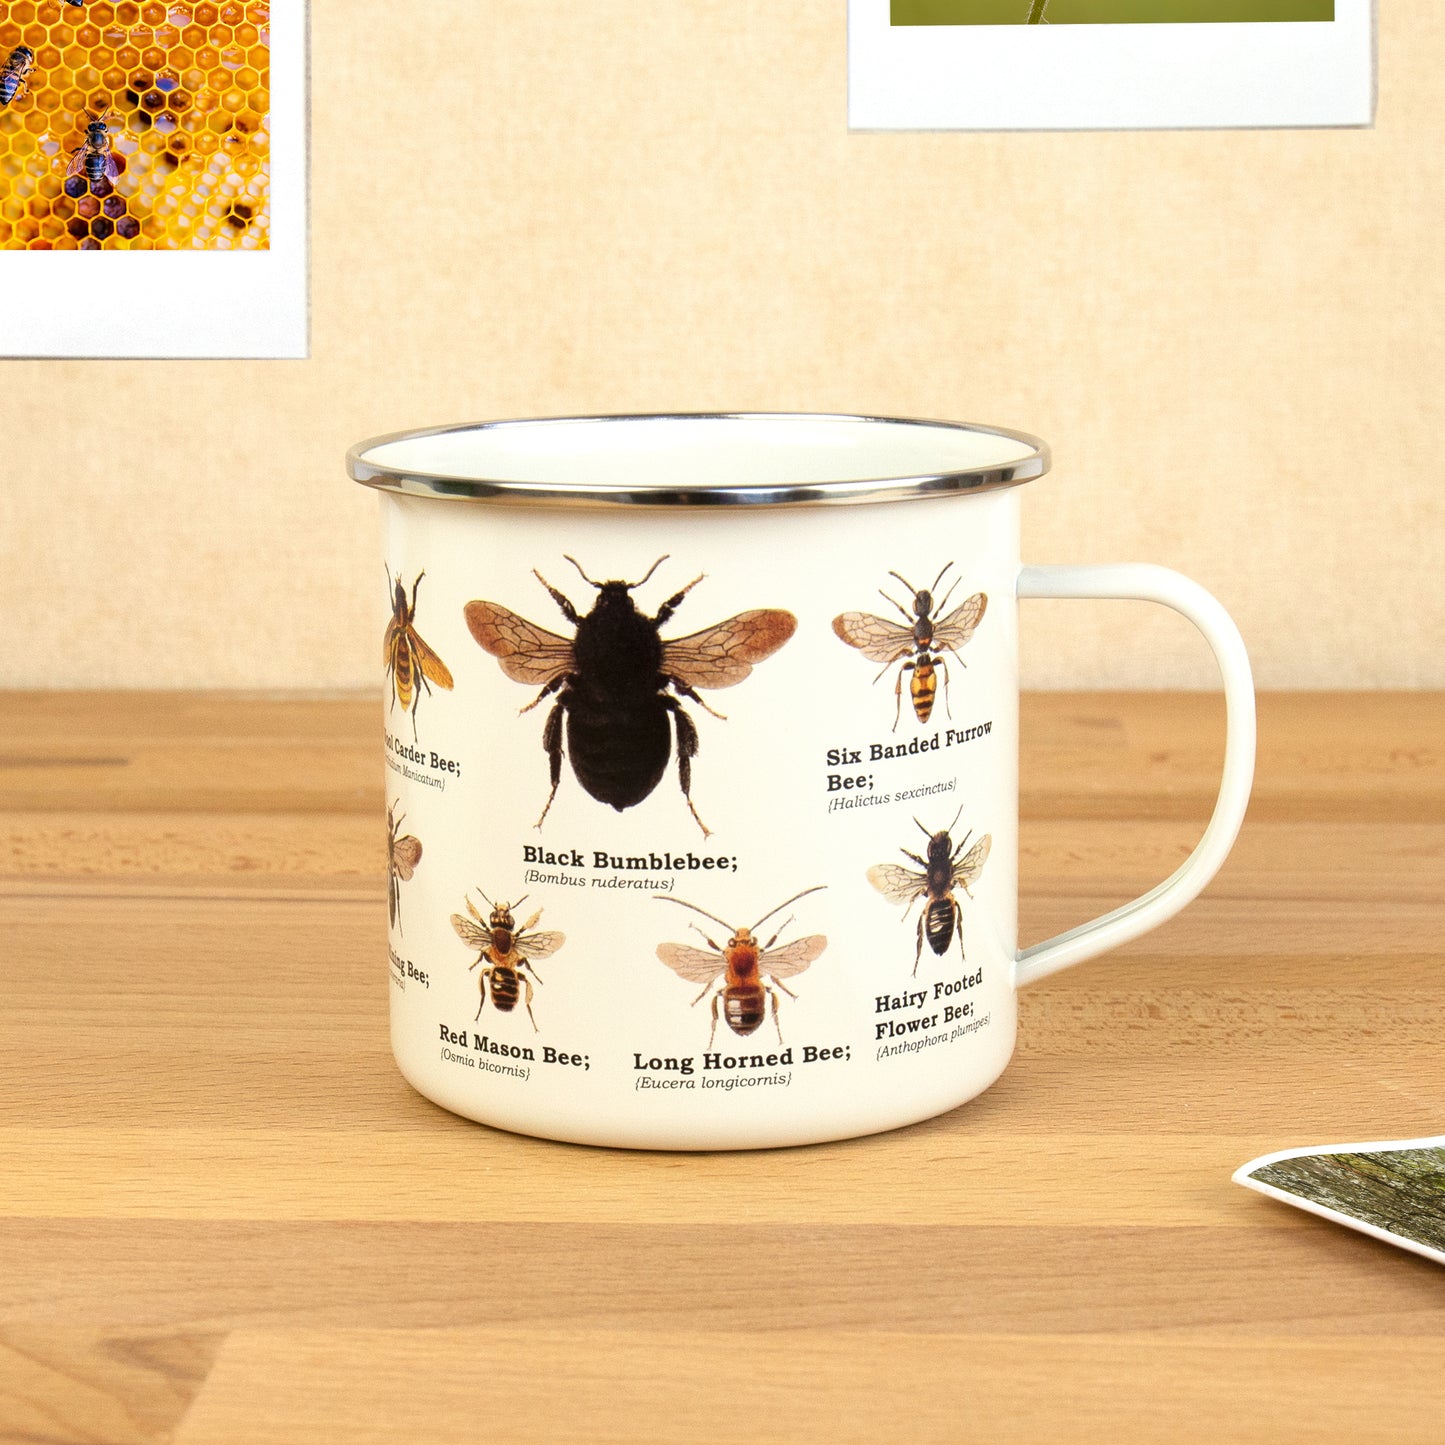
1146 583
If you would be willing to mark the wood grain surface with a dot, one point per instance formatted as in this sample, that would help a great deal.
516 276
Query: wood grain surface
224 1217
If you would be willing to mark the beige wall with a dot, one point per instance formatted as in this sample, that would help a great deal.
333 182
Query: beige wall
1234 341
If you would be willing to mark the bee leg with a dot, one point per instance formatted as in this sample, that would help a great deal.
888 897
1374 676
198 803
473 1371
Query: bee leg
552 745
482 978
568 610
702 995
713 1034
918 952
414 586
943 668
686 752
527 982
778 983
673 602
898 694
958 930
688 692
547 691
776 1024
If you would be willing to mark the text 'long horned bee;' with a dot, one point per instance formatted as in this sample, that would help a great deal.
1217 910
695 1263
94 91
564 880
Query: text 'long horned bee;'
943 871
615 681
742 965
918 643
508 952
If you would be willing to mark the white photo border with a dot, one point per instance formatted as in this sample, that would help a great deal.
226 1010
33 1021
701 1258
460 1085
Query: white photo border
1110 77
185 304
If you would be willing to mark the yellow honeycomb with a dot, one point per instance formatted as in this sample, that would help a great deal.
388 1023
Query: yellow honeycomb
187 91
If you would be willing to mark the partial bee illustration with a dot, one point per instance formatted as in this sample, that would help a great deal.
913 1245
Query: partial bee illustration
403 854
945 868
95 157
741 974
410 662
507 951
617 681
15 72
918 642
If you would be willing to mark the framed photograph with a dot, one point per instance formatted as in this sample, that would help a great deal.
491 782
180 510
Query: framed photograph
153 178
1109 64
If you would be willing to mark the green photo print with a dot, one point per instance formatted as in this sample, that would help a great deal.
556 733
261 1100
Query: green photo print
1105 12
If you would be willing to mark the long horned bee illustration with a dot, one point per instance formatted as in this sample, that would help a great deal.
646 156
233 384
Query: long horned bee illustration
412 665
508 952
617 682
403 854
918 643
945 868
742 965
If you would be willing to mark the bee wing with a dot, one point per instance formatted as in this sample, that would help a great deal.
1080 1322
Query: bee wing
432 667
77 161
875 637
967 869
388 643
405 855
691 963
793 957
897 883
526 652
112 166
473 933
723 655
961 623
539 945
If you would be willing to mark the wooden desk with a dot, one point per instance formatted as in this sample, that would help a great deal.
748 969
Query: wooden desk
224 1217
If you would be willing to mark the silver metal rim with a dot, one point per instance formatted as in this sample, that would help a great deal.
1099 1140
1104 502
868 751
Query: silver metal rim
874 489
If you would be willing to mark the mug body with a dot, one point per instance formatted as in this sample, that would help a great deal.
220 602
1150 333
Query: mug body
703 818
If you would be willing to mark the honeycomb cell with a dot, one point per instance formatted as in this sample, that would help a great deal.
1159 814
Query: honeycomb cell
153 14
89 243
206 15
127 228
77 226
27 230
153 57
75 186
127 13
102 15
24 13
36 122
101 228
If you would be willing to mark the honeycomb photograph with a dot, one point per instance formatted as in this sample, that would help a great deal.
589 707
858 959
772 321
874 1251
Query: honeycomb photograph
134 127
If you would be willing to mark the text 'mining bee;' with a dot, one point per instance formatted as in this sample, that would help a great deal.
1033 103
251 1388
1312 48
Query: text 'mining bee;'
403 854
410 662
918 642
943 871
14 72
508 952
742 964
95 157
615 681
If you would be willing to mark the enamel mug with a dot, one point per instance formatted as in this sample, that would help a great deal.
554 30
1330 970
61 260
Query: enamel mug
701 747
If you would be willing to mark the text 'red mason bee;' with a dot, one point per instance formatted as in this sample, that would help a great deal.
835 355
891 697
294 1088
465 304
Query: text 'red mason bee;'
403 854
508 952
411 664
615 681
942 871
918 642
742 965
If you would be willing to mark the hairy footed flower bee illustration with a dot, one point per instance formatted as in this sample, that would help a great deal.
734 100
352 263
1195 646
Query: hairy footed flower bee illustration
409 662
945 868
917 643
742 974
617 682
508 952
403 854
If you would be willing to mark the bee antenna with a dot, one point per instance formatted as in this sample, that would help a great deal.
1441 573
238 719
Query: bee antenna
923 830
486 900
581 573
520 901
667 898
956 817
816 888
650 571
939 578
902 579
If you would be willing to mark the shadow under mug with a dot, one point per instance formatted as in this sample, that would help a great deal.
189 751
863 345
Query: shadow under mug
701 744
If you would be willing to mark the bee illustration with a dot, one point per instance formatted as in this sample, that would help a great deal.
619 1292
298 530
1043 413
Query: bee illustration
15 72
742 964
411 663
507 951
612 678
403 853
943 871
887 642
95 157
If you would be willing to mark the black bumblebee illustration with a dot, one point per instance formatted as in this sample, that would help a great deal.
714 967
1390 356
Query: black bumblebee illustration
615 682
14 72
95 156
920 635
943 871
742 965
507 951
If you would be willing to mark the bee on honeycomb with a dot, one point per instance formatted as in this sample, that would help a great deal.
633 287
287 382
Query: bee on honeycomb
181 95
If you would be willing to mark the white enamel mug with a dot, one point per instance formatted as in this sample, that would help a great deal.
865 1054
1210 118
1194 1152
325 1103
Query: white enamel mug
702 770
